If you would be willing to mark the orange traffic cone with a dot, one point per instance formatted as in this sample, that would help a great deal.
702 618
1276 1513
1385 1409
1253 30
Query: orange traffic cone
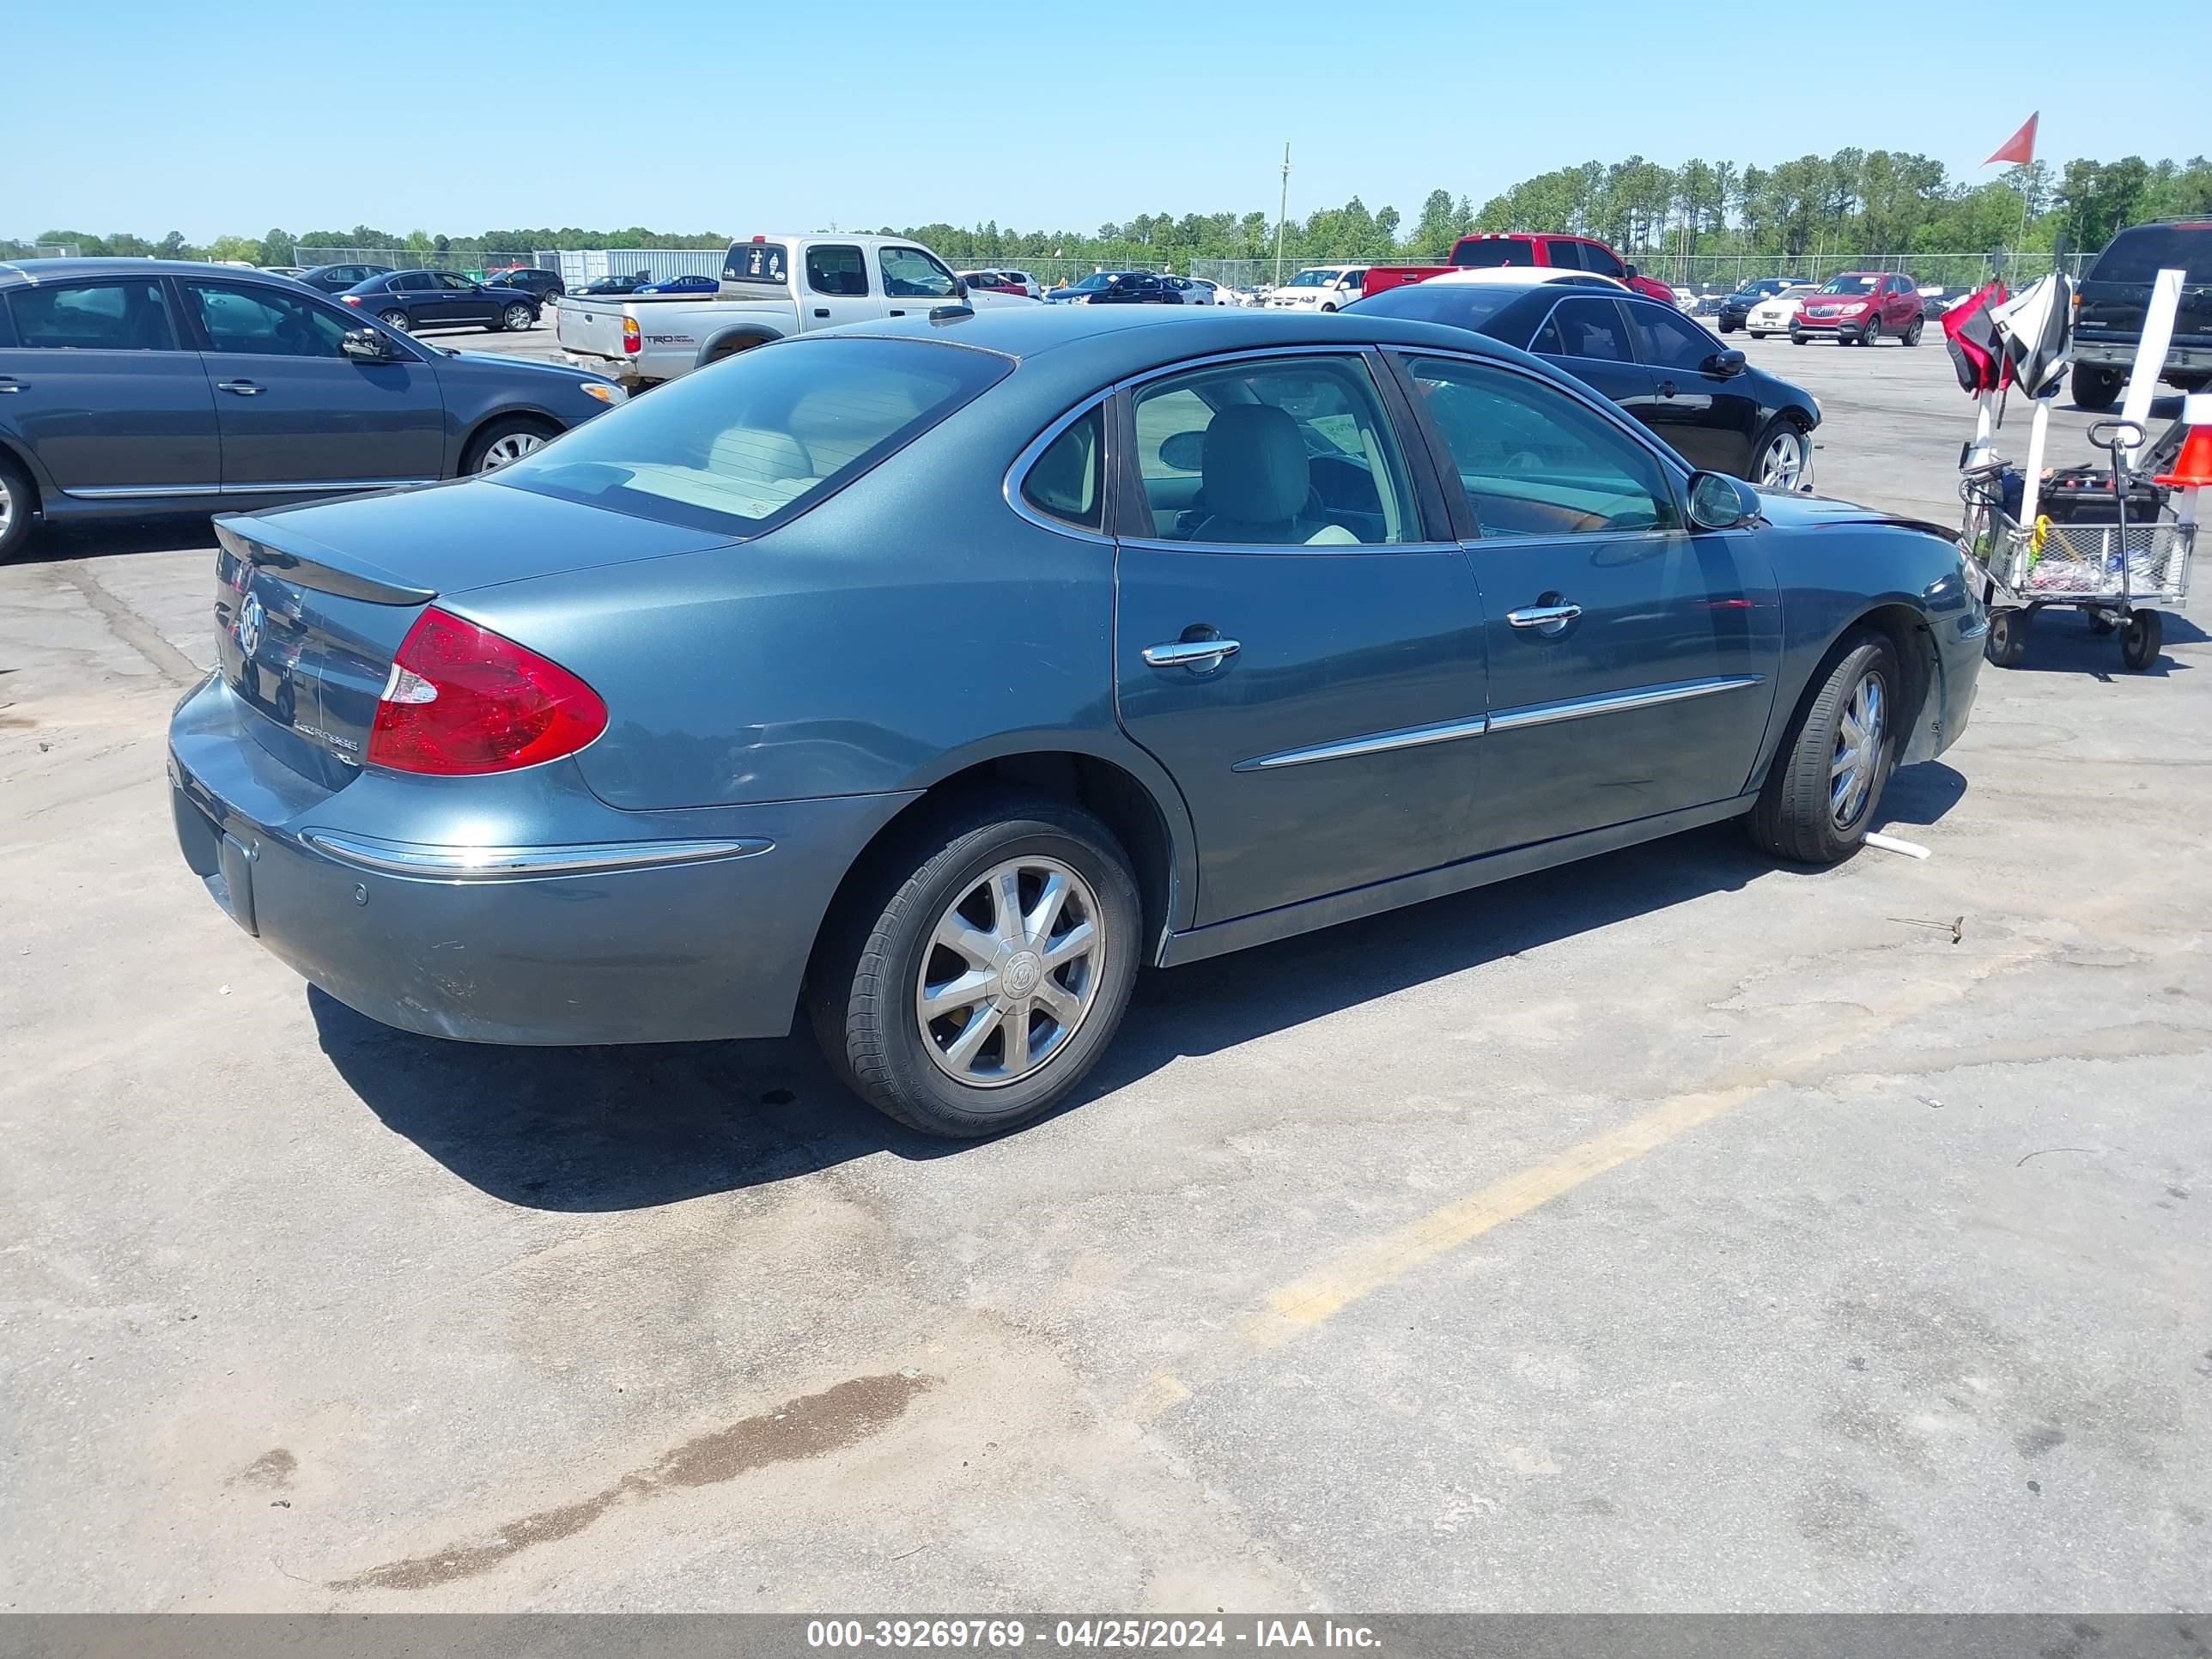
2192 469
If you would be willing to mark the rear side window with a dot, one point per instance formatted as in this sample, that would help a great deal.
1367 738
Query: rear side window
1066 481
757 441
414 282
131 315
2138 255
838 272
1480 255
1567 256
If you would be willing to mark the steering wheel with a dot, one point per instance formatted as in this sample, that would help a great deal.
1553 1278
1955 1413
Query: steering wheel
1523 462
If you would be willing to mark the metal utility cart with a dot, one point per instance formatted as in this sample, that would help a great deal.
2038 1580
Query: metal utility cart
2116 573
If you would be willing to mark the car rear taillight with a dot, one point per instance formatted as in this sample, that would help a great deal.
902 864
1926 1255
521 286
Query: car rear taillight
461 699
350 299
631 341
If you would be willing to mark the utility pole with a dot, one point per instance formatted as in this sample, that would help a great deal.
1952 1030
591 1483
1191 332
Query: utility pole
1282 212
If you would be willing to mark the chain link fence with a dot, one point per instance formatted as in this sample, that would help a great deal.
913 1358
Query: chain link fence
1717 273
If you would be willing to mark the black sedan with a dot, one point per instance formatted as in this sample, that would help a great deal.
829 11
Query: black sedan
417 300
1136 288
337 279
629 284
545 284
1737 306
142 387
1715 408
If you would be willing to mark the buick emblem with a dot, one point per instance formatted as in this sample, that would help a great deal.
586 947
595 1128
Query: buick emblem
251 616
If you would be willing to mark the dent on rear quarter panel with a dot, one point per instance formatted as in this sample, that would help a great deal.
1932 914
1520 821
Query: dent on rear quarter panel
910 616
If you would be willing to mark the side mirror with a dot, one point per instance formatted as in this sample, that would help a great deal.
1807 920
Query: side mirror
1720 502
1185 452
366 345
1725 363
959 288
1632 270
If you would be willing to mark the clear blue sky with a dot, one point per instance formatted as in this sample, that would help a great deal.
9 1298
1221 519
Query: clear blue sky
238 115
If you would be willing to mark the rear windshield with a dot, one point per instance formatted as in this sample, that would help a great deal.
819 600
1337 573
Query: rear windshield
758 440
1504 251
1469 305
2138 255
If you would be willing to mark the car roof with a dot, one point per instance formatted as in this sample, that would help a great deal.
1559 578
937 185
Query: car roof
1528 276
30 273
1102 343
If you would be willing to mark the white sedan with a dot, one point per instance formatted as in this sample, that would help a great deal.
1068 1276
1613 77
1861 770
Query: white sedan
1772 314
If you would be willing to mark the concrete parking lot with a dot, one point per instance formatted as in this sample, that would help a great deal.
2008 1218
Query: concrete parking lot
1668 1232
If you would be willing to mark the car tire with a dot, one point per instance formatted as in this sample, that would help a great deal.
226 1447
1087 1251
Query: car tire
1811 809
18 498
1727 327
1871 333
516 318
866 986
2096 388
393 319
1796 336
1767 449
2006 643
504 441
1756 333
1913 330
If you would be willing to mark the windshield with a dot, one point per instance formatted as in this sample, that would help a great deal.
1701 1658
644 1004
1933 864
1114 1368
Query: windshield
1503 251
1099 279
1468 305
759 439
1314 278
1853 284
2138 255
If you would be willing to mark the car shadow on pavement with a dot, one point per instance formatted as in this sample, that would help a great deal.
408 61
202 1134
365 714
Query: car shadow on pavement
101 539
620 1129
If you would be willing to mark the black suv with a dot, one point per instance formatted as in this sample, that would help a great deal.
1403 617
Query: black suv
2109 320
545 284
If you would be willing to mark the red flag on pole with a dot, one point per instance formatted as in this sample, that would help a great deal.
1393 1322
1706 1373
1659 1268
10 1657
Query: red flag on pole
2019 148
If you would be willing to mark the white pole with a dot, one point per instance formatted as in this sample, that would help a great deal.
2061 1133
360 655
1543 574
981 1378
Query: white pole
2031 486
2150 355
1984 405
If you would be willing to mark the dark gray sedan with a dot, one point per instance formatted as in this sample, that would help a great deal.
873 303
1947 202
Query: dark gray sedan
137 386
935 675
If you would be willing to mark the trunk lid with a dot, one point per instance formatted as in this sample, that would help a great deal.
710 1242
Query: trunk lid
311 603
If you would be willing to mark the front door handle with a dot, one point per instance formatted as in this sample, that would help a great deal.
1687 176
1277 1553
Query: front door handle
9 383
1549 620
822 311
243 388
1191 653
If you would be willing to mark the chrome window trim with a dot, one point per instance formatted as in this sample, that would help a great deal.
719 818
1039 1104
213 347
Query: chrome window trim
1279 550
128 492
1018 474
1616 702
1379 743
449 863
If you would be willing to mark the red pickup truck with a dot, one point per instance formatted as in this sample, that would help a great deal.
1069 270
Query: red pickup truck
1522 247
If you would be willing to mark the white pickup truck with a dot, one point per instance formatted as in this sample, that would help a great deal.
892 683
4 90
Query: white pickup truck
772 287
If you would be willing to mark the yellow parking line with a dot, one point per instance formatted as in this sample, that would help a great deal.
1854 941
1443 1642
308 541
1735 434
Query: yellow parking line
1317 1296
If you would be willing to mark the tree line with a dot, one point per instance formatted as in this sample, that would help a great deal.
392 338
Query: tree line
1861 202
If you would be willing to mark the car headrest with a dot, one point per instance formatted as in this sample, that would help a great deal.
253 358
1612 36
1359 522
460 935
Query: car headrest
1255 465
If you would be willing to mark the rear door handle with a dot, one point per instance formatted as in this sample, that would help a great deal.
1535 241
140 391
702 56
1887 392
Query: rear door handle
1666 388
243 388
9 383
1549 620
1191 653
822 311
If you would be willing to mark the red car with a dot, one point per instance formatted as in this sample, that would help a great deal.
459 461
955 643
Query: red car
1522 247
1860 305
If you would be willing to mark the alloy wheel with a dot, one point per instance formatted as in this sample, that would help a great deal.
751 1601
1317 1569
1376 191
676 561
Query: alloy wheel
1858 751
1782 462
512 448
394 319
518 318
6 509
1011 971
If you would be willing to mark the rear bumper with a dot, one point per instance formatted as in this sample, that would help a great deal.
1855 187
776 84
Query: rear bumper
604 927
2184 354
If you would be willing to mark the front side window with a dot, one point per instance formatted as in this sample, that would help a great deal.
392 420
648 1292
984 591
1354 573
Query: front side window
910 273
1282 451
131 315
838 272
264 322
1669 340
759 439
453 284
1067 480
1584 328
1601 261
1533 461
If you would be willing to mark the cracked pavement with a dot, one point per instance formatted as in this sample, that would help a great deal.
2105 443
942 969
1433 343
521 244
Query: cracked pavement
1668 1232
